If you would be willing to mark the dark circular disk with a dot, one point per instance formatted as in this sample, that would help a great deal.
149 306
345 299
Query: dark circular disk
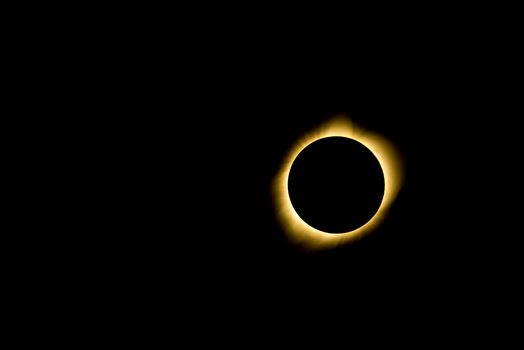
336 184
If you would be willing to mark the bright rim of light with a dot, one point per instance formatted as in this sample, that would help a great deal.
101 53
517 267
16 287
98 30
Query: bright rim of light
309 238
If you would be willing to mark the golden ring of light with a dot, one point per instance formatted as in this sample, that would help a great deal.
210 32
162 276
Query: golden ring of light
309 238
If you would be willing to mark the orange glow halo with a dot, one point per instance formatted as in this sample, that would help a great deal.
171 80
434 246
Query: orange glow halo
299 232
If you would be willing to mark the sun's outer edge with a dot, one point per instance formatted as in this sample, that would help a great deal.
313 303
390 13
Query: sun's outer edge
297 230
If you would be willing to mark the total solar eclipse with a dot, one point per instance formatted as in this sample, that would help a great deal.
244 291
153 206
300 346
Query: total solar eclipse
336 184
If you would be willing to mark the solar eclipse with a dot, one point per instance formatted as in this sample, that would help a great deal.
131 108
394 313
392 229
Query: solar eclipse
336 184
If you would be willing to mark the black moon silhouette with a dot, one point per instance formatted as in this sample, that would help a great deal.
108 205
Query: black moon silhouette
336 184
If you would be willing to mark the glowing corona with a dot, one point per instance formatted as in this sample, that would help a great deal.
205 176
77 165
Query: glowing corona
309 238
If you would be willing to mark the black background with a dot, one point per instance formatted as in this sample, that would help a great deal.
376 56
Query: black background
183 129
213 144
150 139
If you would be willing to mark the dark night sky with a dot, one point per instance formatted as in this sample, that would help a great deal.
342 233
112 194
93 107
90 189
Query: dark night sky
152 188
212 163
201 132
